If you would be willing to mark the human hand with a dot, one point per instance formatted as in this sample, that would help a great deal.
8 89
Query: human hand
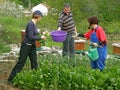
43 37
94 44
75 34
46 33
59 28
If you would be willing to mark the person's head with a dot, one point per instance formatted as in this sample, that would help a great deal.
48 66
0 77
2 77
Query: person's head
66 8
92 21
37 15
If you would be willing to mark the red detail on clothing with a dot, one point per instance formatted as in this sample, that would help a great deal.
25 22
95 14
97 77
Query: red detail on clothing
99 32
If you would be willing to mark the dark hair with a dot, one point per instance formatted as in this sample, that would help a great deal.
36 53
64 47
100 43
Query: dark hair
93 20
66 5
35 16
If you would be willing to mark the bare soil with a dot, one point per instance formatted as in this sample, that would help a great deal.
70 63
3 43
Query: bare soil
5 69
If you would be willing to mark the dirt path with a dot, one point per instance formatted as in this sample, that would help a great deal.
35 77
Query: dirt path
8 87
5 69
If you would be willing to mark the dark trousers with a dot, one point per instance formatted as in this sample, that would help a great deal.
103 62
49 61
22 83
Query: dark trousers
68 46
25 51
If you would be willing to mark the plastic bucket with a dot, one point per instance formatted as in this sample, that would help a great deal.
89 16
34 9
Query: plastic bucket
58 36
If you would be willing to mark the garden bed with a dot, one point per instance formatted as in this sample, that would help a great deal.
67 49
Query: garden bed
65 74
5 69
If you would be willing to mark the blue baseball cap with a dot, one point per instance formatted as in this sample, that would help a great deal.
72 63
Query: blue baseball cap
37 12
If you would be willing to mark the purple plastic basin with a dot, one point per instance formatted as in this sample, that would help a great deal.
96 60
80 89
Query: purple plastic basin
58 36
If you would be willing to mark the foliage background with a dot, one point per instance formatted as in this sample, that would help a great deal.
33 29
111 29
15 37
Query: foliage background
107 11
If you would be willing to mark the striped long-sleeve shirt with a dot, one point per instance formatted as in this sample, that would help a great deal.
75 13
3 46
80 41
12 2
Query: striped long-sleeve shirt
66 22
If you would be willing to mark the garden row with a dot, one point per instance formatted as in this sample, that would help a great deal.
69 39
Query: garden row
57 73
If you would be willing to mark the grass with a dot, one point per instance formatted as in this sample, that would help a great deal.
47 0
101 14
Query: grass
11 29
4 48
13 26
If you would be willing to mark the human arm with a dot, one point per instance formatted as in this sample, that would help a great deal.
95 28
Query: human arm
76 31
86 35
60 22
30 31
101 36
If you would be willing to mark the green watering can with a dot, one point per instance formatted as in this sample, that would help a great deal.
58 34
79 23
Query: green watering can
93 53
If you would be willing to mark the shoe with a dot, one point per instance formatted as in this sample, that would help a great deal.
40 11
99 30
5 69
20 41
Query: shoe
83 53
9 82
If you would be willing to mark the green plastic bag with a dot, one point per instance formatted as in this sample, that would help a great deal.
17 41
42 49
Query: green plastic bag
93 54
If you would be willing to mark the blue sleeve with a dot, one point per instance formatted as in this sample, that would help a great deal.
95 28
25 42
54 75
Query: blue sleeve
31 32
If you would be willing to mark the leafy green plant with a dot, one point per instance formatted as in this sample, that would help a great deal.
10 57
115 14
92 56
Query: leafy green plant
4 48
60 74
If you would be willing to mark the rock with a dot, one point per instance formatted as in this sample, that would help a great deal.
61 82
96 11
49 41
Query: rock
13 46
43 52
14 53
3 57
7 60
56 47
45 48
5 54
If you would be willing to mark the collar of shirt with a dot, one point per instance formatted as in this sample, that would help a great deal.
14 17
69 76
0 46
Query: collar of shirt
66 13
33 21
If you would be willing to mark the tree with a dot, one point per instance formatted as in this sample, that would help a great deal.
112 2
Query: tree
112 29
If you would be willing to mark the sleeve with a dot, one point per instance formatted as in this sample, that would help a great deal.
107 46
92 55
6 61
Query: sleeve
30 32
101 35
80 35
60 20
87 34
